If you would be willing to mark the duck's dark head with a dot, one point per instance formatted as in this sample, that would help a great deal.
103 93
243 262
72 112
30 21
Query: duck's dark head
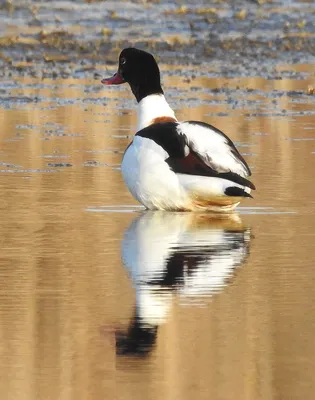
140 70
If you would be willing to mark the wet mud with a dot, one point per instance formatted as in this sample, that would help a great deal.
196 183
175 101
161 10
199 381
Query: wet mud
82 38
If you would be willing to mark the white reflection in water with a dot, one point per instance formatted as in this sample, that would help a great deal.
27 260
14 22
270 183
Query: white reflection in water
190 255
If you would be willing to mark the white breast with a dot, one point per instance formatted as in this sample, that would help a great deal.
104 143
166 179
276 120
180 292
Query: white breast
151 107
149 177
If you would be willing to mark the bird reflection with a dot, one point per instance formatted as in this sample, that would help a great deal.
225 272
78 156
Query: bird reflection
189 254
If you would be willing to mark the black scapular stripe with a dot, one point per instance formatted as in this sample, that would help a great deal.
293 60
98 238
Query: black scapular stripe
165 135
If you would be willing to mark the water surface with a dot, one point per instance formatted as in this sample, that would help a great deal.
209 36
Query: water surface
100 299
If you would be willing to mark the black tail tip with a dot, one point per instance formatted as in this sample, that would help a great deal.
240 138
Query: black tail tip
235 191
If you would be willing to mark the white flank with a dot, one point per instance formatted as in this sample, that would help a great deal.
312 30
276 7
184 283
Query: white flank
151 107
149 177
205 186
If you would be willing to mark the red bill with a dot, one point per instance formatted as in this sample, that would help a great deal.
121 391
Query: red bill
116 79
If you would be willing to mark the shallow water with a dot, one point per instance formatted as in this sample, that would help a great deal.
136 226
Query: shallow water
100 299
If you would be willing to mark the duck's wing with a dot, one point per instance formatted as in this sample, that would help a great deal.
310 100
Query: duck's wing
196 148
213 147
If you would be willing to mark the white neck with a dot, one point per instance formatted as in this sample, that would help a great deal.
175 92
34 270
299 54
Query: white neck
151 107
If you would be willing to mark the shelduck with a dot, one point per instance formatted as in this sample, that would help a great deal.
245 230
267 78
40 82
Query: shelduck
172 165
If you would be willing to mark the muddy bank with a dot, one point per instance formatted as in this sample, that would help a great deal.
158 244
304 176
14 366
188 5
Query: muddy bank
81 38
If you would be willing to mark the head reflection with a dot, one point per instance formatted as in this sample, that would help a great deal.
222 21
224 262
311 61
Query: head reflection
190 254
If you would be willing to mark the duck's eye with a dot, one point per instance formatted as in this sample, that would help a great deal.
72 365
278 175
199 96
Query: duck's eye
123 61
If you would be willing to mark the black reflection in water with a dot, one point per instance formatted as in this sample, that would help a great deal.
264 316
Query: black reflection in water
190 254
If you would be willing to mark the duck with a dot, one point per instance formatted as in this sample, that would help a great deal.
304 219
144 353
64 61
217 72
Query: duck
173 165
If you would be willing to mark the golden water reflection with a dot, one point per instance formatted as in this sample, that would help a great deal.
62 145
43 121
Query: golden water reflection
65 293
193 255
